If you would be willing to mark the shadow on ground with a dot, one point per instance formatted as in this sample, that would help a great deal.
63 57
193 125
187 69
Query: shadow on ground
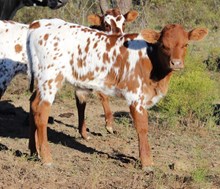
14 124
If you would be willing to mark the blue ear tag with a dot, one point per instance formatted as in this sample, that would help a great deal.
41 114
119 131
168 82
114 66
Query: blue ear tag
135 44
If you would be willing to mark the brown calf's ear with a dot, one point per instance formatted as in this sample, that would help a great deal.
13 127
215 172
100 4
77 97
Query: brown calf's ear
150 36
198 34
131 16
94 19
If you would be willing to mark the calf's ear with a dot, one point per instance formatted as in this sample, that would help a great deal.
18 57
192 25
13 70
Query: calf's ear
197 34
94 19
131 16
150 36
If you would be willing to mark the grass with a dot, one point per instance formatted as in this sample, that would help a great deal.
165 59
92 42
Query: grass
124 121
201 170
199 175
66 92
96 171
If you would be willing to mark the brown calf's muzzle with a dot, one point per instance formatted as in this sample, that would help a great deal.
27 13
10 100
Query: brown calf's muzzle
176 64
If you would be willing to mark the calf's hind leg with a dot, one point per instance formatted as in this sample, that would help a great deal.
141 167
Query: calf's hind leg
39 114
33 142
81 106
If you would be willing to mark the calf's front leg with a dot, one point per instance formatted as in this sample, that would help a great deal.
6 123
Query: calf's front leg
140 119
109 119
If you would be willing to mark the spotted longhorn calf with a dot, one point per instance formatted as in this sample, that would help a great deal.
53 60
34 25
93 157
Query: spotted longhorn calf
135 66
112 22
13 56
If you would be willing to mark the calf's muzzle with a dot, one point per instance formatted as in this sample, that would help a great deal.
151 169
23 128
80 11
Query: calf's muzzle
176 64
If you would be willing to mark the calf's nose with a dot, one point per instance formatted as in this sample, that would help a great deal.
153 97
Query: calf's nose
176 64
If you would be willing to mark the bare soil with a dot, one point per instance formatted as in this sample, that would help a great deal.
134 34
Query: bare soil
184 157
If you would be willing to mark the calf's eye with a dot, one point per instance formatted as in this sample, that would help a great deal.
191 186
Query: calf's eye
184 46
107 26
165 47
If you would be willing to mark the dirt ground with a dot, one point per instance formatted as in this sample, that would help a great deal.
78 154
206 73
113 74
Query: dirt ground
183 157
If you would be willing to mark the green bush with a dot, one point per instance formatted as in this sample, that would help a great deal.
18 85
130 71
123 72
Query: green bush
213 60
189 13
190 96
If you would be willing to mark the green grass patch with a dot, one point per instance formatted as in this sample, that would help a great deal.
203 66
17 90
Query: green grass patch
199 174
191 95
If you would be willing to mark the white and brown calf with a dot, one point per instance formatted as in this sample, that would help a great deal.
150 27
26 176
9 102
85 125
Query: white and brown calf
136 67
13 56
112 22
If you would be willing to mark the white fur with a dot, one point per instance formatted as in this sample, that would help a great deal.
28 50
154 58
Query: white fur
12 62
13 56
47 63
119 23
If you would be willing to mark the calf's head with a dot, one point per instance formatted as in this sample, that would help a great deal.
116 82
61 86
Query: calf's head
172 44
113 21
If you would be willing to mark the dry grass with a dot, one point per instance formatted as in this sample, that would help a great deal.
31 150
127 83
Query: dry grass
184 157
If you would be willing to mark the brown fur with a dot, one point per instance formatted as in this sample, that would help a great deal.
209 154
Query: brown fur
34 25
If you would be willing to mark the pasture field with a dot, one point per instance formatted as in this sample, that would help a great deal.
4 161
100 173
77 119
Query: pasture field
184 157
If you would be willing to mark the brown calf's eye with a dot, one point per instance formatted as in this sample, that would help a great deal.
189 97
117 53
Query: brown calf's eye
165 48
186 45
106 26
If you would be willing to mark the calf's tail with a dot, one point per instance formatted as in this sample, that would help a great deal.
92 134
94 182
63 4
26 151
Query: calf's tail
30 65
31 87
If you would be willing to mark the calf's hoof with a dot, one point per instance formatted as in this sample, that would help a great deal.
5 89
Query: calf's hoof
147 165
46 160
109 129
148 169
48 164
85 136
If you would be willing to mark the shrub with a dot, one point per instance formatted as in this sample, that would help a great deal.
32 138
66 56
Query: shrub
213 60
189 13
191 95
